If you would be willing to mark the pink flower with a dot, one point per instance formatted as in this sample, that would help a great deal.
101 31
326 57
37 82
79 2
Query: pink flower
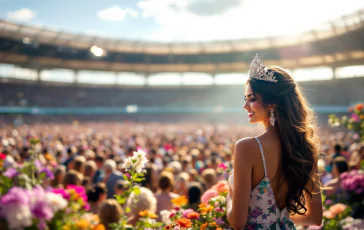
337 208
329 214
186 212
329 202
210 193
218 209
222 166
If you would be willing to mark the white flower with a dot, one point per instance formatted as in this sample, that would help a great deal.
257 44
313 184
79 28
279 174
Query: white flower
127 163
165 217
18 216
140 159
220 199
56 201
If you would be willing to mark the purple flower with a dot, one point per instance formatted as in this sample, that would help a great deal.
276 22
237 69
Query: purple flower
219 221
40 208
329 202
49 174
15 195
11 172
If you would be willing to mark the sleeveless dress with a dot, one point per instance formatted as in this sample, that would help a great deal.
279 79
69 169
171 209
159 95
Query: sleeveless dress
263 211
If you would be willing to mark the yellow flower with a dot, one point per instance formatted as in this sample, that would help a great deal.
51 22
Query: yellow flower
205 210
213 224
218 228
82 224
180 201
152 215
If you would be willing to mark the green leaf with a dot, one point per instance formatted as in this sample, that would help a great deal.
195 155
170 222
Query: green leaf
127 210
139 179
34 141
136 190
125 177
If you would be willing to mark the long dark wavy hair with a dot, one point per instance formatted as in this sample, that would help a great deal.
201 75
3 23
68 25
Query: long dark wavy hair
296 123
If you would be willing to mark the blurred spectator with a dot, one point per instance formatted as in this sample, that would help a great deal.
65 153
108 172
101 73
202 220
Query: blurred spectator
99 160
209 178
111 177
72 178
145 201
195 192
339 165
59 174
110 212
165 194
96 195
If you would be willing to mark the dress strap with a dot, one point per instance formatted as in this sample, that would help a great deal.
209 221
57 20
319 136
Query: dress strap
263 158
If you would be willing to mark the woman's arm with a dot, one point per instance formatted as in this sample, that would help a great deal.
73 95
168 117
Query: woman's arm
238 199
313 215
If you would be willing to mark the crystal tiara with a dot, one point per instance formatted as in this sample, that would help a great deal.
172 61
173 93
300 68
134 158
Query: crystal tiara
258 71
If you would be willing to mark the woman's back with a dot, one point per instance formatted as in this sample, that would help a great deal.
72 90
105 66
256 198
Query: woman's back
267 208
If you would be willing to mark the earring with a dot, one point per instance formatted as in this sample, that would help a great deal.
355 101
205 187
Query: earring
272 118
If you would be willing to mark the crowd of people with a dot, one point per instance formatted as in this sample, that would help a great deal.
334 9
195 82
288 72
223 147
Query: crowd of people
183 159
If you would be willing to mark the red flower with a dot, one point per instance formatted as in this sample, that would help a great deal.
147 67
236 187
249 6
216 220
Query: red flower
193 215
2 156
359 107
172 215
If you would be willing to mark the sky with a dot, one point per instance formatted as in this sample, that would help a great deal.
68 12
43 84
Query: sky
178 20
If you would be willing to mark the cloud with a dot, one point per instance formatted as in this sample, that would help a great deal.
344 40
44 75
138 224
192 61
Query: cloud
212 7
115 13
186 21
21 14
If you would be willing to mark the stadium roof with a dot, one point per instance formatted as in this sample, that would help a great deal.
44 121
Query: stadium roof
337 43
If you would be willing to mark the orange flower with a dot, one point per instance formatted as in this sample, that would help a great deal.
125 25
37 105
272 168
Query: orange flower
203 226
337 208
221 186
193 215
99 227
184 223
143 213
361 117
359 107
202 205
218 228
179 201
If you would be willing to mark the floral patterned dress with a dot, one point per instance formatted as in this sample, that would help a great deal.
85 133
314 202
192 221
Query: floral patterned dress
263 211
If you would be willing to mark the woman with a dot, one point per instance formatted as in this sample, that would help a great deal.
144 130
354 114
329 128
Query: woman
274 182
165 194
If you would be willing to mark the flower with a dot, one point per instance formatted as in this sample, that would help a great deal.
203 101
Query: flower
49 174
193 215
127 163
179 201
16 203
359 107
184 222
337 208
222 166
329 214
203 226
2 156
11 173
210 193
205 210
143 213
186 212
64 193
329 202
219 221
56 200
165 217
221 186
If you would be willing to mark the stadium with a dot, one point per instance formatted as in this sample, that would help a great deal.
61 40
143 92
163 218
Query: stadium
173 99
